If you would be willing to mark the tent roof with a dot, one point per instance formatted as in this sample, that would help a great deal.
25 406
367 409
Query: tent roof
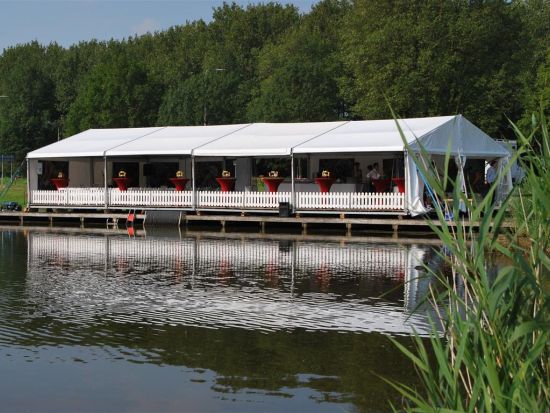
371 135
460 137
93 142
174 140
266 139
435 134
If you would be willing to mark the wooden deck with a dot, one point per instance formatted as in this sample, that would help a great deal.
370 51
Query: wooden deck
199 234
262 223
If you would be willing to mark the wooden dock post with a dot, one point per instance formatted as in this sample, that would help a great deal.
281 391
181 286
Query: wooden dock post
348 229
395 228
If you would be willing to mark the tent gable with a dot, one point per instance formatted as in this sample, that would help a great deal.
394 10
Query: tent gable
460 137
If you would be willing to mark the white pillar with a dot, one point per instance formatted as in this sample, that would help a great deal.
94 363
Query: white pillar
292 189
28 185
105 181
194 196
406 179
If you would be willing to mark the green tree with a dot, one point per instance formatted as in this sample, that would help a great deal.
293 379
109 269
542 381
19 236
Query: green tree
298 75
117 93
537 102
70 72
212 94
434 58
232 42
28 116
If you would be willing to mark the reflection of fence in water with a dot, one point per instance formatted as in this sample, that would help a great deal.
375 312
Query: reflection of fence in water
235 254
72 289
388 259
66 248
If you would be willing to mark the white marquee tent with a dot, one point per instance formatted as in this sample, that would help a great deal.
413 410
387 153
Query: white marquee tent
436 135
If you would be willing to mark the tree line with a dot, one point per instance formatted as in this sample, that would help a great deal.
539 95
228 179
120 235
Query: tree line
344 59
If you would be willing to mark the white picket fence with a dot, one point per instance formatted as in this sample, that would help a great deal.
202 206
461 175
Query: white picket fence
150 198
238 200
350 201
69 197
305 201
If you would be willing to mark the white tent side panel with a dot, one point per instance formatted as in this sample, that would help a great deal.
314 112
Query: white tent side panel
414 194
90 143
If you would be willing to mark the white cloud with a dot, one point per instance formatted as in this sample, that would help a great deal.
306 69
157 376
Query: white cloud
146 26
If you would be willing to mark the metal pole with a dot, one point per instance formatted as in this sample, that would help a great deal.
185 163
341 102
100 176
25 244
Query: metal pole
194 196
28 185
105 181
292 194
406 177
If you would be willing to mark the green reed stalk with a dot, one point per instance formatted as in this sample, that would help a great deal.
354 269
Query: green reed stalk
489 350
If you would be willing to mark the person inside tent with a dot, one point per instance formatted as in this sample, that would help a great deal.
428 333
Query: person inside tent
491 175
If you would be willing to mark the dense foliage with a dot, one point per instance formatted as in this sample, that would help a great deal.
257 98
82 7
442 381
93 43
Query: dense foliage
267 62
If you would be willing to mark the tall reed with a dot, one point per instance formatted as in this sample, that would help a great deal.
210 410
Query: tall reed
489 350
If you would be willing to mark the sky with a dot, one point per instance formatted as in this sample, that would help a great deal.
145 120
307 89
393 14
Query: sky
70 21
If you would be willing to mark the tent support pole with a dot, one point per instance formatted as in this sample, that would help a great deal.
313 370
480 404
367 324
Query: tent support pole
194 196
292 187
28 186
406 177
105 181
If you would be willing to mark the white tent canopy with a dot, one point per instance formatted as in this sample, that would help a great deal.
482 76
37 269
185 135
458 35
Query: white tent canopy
435 134
371 136
90 143
174 140
266 139
461 138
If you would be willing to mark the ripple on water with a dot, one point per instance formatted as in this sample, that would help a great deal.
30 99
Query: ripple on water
80 280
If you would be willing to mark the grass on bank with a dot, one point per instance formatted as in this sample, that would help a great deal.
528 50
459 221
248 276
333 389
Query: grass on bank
491 352
17 192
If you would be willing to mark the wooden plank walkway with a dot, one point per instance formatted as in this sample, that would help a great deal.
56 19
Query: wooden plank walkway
262 221
61 217
200 234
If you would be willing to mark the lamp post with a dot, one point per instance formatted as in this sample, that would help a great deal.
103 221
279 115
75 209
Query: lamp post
205 110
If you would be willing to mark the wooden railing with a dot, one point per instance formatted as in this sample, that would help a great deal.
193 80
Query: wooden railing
305 201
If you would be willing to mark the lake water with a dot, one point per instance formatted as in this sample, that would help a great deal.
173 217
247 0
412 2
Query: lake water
101 321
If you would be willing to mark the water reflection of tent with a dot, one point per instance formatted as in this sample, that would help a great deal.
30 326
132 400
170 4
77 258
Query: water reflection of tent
188 258
309 256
